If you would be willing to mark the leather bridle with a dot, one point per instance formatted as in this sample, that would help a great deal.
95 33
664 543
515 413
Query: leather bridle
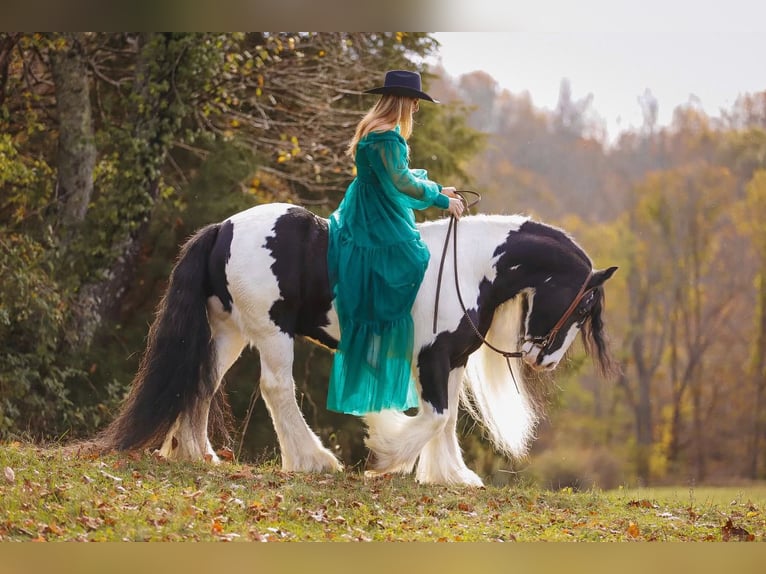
544 342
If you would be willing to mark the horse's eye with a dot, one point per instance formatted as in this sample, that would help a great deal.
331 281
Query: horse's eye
583 311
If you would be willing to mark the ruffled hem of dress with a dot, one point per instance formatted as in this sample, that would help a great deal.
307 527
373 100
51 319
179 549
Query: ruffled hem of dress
372 368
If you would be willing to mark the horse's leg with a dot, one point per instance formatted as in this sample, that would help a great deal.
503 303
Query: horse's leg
441 461
396 440
300 447
188 438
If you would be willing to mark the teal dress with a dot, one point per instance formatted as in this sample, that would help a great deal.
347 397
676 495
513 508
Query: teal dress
376 263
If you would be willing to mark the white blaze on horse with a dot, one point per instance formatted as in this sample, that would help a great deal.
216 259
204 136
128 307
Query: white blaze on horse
260 278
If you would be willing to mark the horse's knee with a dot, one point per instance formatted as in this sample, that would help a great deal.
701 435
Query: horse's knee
276 370
435 420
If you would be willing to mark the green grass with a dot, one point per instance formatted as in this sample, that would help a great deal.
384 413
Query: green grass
48 494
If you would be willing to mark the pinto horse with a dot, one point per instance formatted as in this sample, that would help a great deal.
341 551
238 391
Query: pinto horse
259 278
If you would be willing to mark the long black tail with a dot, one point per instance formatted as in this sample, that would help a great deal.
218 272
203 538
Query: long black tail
178 365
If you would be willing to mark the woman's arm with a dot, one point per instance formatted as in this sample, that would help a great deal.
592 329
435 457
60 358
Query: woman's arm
388 158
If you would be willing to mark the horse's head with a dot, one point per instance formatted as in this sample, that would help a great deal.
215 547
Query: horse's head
560 291
556 309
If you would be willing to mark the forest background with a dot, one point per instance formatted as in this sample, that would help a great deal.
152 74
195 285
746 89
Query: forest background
115 147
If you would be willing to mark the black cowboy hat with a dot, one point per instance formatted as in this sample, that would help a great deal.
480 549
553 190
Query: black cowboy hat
402 83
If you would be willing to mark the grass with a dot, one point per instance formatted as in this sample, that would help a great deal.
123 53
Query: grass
47 494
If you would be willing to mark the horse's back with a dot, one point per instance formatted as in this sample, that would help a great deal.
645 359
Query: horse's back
277 270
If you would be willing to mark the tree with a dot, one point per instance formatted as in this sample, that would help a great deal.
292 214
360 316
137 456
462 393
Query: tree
644 342
76 146
649 111
571 117
753 216
682 218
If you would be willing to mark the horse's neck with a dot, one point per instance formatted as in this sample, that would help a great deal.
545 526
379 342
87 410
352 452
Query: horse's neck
478 240
479 236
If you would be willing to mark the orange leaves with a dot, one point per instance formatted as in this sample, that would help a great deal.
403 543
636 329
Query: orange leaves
52 529
90 523
217 526
226 454
218 529
732 533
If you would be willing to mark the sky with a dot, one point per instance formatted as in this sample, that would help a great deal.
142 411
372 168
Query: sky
710 51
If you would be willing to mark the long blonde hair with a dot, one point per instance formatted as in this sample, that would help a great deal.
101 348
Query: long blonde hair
389 111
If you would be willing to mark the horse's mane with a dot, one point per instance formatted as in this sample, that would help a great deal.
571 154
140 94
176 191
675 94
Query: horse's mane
496 396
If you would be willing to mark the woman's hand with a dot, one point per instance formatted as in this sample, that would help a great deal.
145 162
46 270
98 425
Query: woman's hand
450 192
456 206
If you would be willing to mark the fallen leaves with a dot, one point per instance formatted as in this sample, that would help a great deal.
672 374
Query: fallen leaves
130 497
730 532
226 454
218 524
90 522
112 477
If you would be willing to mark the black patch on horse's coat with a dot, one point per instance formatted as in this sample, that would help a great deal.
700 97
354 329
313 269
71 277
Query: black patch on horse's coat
299 248
219 257
566 245
435 361
451 350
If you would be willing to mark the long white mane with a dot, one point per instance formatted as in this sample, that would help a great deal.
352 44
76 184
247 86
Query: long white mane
492 395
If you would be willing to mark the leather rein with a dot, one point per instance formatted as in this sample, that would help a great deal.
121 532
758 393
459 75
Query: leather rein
542 342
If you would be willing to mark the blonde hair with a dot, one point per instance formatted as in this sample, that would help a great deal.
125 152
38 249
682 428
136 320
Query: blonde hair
389 111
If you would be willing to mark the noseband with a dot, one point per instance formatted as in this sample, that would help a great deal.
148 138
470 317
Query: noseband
542 342
547 340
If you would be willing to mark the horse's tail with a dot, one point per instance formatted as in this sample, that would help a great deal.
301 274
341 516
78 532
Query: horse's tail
178 366
496 397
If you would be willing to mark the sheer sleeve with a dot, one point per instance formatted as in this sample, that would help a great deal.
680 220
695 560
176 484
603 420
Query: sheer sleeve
388 158
419 173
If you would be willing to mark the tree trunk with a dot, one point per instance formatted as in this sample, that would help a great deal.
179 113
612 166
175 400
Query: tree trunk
8 41
76 146
700 465
759 378
645 365
642 410
149 140
674 444
755 451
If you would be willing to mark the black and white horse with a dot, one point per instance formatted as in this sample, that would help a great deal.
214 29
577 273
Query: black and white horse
260 278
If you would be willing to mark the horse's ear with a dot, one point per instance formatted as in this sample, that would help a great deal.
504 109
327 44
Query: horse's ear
600 276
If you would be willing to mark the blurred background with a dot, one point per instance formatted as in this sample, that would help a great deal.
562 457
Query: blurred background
116 147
